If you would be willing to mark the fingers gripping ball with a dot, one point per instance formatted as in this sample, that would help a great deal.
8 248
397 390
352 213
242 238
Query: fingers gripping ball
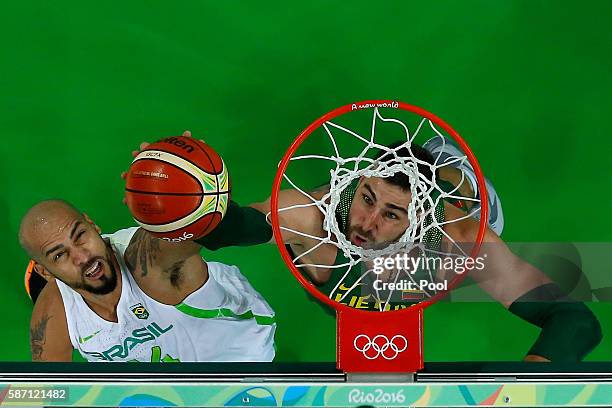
178 188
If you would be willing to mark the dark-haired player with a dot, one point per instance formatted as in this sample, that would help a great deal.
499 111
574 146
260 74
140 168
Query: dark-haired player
373 212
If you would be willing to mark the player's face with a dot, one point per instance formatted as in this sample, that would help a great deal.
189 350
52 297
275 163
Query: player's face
378 214
73 251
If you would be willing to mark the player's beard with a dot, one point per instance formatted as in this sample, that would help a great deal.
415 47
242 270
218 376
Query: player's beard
109 283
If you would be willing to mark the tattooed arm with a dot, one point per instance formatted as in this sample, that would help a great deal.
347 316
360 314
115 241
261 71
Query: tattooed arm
147 255
49 339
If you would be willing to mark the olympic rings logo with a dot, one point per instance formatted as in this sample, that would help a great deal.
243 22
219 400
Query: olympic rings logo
380 345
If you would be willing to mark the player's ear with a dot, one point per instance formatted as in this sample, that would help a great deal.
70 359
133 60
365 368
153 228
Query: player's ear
89 220
42 271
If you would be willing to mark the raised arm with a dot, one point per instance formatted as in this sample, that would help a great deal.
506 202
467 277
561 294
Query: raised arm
241 226
296 214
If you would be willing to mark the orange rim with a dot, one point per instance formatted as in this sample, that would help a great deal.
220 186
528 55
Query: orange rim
28 274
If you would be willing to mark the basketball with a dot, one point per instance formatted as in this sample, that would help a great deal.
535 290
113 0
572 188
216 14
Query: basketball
178 189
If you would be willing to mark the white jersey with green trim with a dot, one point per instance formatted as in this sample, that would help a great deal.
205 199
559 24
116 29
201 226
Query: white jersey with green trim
224 320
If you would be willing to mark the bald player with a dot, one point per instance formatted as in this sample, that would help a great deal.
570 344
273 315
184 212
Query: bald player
129 296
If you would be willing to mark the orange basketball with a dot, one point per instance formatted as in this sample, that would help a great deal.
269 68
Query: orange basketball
178 188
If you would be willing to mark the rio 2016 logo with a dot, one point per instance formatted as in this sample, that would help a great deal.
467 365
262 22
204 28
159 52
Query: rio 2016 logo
378 396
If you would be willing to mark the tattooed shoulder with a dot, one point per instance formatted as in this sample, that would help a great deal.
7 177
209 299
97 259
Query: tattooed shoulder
142 252
38 335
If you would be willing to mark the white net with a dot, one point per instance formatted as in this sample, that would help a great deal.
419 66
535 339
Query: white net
426 221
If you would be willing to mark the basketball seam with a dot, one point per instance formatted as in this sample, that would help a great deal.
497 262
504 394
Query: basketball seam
209 159
217 202
175 194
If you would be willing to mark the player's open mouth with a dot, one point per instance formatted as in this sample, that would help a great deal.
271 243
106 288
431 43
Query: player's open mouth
94 271
359 240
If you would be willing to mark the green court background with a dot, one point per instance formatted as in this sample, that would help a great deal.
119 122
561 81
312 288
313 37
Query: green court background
526 83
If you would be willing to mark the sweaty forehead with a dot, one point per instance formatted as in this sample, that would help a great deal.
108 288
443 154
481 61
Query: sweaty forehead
46 225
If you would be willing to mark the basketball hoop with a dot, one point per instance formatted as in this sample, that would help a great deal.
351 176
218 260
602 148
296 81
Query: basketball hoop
390 341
